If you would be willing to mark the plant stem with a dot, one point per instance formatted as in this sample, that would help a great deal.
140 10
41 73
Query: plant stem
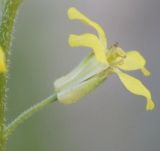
28 113
2 110
6 29
7 24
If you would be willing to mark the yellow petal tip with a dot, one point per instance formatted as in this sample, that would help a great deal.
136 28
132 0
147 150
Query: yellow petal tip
72 13
3 67
150 105
146 72
70 40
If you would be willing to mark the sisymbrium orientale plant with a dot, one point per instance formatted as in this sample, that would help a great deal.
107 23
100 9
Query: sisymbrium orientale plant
101 62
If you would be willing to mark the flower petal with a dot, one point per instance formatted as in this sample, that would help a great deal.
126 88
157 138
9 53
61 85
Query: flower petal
74 14
2 61
136 87
133 61
89 40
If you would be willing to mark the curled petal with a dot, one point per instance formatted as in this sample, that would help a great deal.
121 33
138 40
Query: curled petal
74 14
2 61
134 61
136 87
89 40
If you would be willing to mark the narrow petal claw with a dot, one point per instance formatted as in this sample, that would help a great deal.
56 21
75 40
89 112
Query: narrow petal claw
74 14
150 105
136 87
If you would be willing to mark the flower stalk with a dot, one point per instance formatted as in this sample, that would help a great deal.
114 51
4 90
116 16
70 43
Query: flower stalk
28 113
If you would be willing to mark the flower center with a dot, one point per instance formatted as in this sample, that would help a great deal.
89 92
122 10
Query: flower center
116 55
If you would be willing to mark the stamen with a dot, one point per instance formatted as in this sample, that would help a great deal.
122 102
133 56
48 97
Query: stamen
116 44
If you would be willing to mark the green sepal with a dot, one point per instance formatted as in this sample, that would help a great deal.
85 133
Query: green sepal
82 80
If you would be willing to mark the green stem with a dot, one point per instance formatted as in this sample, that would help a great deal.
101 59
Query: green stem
2 110
6 29
7 24
28 113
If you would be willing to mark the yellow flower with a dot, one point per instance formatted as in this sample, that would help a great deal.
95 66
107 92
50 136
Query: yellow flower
99 65
2 61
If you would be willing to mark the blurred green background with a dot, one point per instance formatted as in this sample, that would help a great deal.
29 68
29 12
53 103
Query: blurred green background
110 118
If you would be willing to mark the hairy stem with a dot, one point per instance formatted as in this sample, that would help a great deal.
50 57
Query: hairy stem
7 24
2 110
28 113
6 30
